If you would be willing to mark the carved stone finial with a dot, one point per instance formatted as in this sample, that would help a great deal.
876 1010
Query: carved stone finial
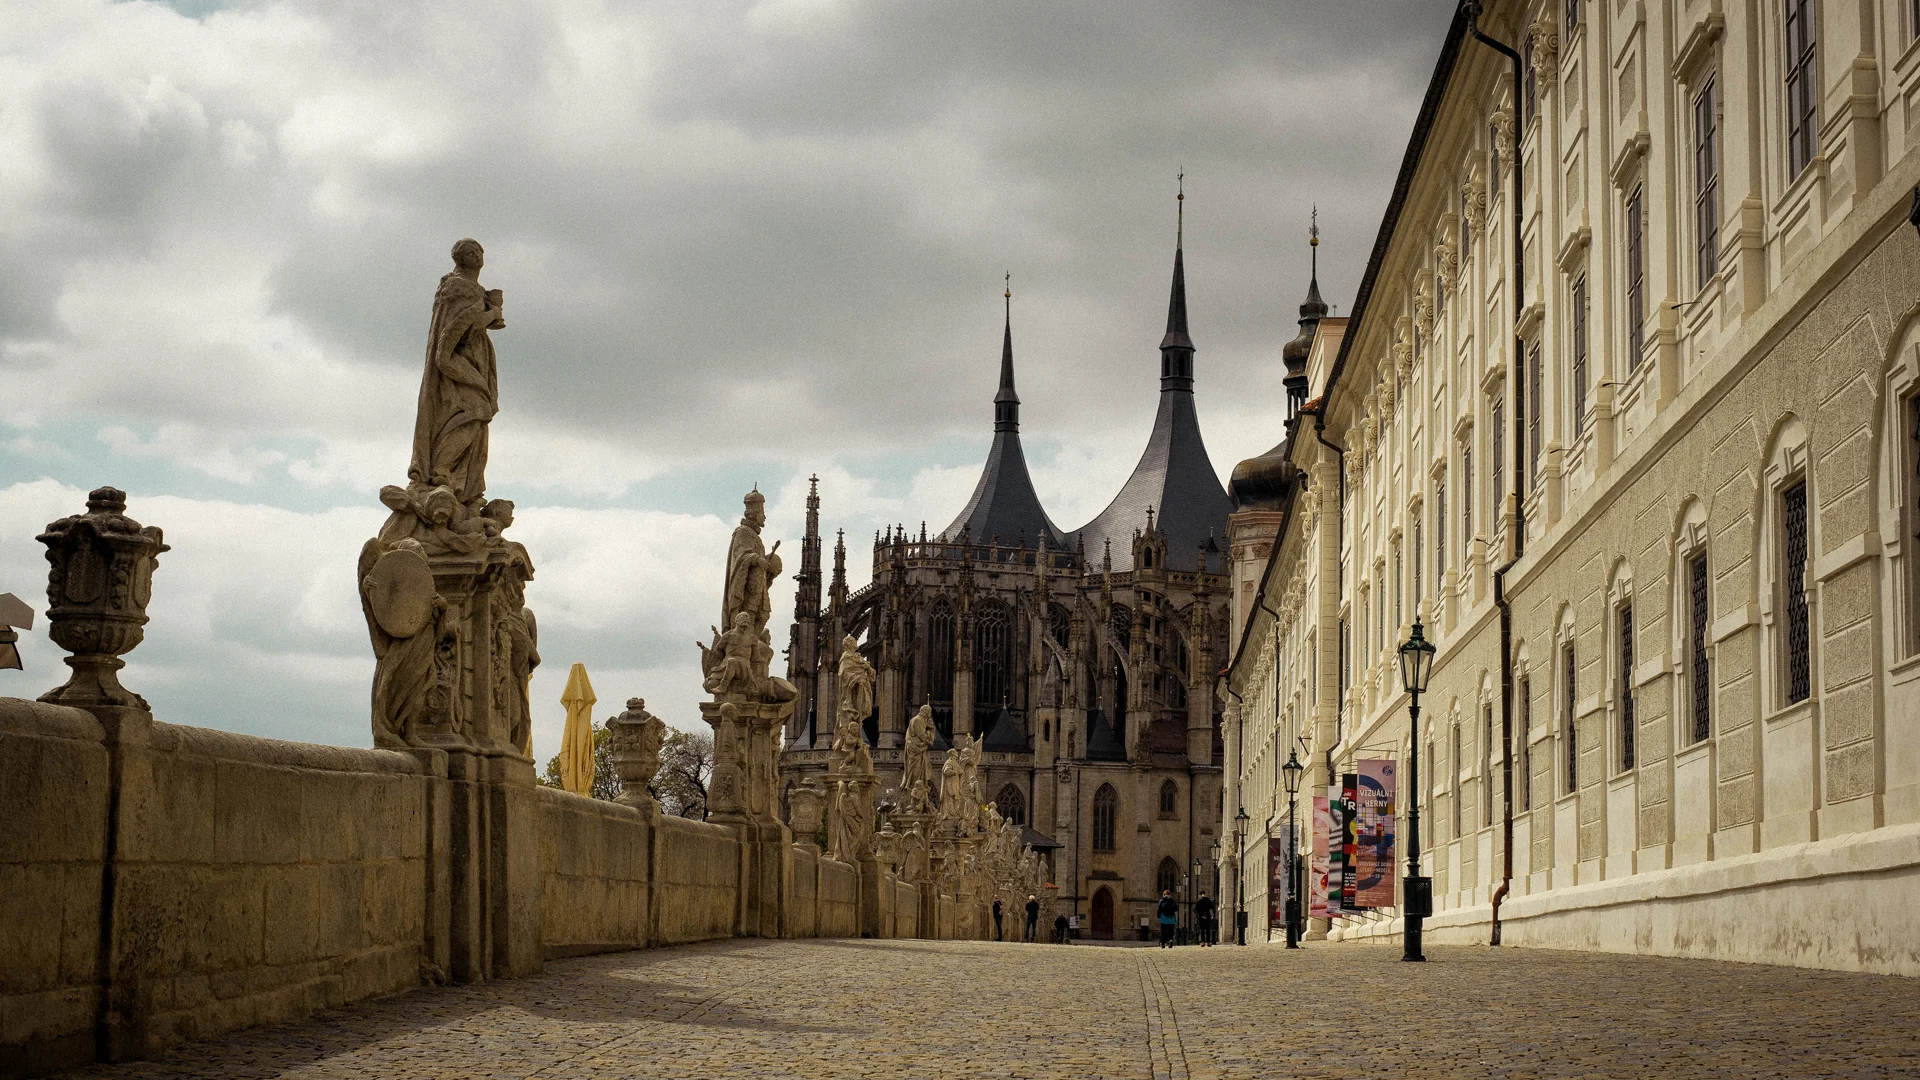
634 739
97 592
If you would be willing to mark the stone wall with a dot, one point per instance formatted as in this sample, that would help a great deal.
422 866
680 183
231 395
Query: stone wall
246 881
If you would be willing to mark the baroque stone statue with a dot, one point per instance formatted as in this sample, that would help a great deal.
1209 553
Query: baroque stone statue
916 781
854 680
750 567
460 389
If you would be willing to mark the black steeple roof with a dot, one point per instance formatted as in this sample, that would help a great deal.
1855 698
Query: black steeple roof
1003 735
1174 478
1004 503
1102 743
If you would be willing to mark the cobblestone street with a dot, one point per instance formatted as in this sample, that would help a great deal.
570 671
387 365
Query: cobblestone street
742 1009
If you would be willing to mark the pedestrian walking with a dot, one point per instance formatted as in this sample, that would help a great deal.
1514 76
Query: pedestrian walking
1169 918
996 919
1033 918
1060 929
1203 916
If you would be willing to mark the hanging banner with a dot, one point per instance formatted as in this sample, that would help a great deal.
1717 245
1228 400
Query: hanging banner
1276 882
1317 874
1374 856
1336 851
1349 845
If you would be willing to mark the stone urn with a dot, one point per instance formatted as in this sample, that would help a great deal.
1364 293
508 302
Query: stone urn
634 739
97 593
806 812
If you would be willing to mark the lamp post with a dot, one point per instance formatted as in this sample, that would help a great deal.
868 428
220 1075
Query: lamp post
1240 820
1291 773
1214 930
1416 891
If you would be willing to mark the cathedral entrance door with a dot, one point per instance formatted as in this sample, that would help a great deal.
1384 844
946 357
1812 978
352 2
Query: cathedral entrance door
1103 914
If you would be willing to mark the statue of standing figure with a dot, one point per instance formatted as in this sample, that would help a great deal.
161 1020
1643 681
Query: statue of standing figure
460 389
916 780
751 568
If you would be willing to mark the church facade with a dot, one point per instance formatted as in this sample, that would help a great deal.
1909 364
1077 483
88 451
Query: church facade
1085 659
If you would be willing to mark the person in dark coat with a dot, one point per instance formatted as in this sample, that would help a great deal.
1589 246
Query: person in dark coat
1169 912
1033 918
1203 919
1060 929
996 919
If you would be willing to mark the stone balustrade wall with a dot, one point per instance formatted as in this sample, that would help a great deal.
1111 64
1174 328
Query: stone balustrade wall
161 883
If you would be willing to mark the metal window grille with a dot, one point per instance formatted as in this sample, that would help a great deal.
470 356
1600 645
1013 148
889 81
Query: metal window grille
1526 744
1627 719
1579 356
1699 676
1706 182
1802 95
1536 391
1570 680
1636 279
1794 580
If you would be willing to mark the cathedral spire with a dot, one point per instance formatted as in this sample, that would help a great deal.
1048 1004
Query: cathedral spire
1176 349
1006 403
807 595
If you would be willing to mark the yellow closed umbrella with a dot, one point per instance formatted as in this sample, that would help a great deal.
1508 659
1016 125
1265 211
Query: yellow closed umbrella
576 746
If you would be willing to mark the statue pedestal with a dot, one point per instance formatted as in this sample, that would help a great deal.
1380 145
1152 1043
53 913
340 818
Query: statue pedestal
743 797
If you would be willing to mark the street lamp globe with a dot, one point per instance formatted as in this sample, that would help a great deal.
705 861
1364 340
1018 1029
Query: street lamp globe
1291 773
1416 661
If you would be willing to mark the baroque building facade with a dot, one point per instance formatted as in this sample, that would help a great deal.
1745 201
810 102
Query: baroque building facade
1085 659
1654 500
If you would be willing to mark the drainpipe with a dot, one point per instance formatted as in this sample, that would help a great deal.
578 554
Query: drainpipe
1519 463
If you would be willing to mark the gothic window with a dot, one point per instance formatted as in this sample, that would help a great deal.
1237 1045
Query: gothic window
1802 95
1569 684
1526 744
1636 278
1167 880
1120 624
1106 812
992 657
1706 182
1699 677
1627 722
1059 624
1579 315
1793 582
1012 805
940 651
1169 800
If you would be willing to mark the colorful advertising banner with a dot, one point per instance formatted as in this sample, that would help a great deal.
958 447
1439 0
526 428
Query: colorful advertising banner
1336 851
1317 873
1349 844
1276 882
1374 857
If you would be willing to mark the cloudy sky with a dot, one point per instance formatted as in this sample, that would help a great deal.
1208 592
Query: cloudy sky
740 242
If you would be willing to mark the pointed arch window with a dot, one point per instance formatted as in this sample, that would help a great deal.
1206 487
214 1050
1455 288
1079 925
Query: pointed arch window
993 658
1169 800
940 651
1059 624
1167 879
1106 815
1011 804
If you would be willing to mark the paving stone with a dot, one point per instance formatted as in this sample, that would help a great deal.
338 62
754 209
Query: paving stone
812 1010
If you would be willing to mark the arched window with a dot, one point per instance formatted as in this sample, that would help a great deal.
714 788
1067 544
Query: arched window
1106 814
1168 878
1012 805
1169 799
940 651
1059 624
1120 624
993 657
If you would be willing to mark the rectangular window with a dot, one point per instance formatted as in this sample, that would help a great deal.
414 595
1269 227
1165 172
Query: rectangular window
1698 675
1456 780
1340 692
1793 578
1802 95
1398 611
1419 555
1497 465
1579 357
1636 279
1466 226
1466 503
1706 182
1627 720
1486 766
1493 164
1440 523
1526 744
1530 94
1536 390
1380 604
1570 684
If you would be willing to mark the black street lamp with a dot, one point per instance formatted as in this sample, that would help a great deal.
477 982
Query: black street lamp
1416 891
1213 931
1291 773
1240 820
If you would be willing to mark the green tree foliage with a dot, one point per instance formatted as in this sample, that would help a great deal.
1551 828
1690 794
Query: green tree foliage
686 765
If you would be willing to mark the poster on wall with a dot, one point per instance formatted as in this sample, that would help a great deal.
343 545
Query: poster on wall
1317 873
1336 851
1276 882
1374 832
1349 844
